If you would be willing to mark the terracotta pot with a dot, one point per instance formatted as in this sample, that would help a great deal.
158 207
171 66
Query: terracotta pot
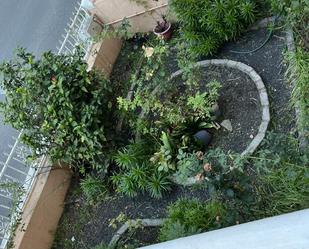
166 34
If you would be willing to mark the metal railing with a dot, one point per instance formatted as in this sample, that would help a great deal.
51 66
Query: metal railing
77 33
16 169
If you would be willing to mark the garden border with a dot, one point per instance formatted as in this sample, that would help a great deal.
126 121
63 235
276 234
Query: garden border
130 223
261 90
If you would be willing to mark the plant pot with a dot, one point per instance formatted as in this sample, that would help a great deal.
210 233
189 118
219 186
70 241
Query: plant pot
203 137
166 34
215 112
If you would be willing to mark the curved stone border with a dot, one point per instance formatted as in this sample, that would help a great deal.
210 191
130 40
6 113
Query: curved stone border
260 87
130 223
262 23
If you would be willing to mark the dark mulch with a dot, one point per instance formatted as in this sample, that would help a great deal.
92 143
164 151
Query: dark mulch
239 103
95 227
268 62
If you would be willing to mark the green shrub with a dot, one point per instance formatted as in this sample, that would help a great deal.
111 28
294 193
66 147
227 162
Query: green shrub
142 178
138 173
290 8
192 215
206 24
176 230
102 246
94 189
64 109
188 165
161 104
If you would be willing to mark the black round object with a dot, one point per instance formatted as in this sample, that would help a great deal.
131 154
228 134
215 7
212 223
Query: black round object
203 137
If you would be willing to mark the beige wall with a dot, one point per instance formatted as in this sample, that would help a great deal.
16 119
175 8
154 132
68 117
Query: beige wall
104 54
43 209
142 21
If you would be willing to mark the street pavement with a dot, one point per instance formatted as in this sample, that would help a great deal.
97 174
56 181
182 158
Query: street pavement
36 25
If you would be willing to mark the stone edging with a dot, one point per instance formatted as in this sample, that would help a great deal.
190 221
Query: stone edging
262 23
260 87
132 223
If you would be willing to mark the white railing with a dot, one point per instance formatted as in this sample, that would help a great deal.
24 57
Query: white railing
77 33
15 168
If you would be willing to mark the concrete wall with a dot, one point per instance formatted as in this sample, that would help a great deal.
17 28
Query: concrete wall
43 209
142 17
288 231
104 54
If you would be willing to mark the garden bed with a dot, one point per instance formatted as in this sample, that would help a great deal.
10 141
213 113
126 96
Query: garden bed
269 64
239 103
84 226
91 224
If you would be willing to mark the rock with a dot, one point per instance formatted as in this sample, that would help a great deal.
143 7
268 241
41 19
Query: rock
227 125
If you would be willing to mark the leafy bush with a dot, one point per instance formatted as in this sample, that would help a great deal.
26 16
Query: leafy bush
291 8
160 104
138 173
94 189
206 24
65 110
223 174
188 165
176 230
192 215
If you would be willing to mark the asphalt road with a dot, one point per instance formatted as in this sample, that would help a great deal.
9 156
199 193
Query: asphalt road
36 25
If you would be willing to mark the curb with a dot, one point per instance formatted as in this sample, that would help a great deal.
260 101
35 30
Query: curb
132 223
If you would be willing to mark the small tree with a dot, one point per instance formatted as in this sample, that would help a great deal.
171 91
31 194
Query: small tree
65 110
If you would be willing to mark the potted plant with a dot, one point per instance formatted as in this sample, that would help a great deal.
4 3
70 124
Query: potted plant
163 29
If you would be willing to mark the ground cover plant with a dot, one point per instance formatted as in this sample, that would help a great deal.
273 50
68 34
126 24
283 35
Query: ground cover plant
187 217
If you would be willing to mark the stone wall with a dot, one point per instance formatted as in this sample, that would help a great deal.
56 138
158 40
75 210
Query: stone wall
43 208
